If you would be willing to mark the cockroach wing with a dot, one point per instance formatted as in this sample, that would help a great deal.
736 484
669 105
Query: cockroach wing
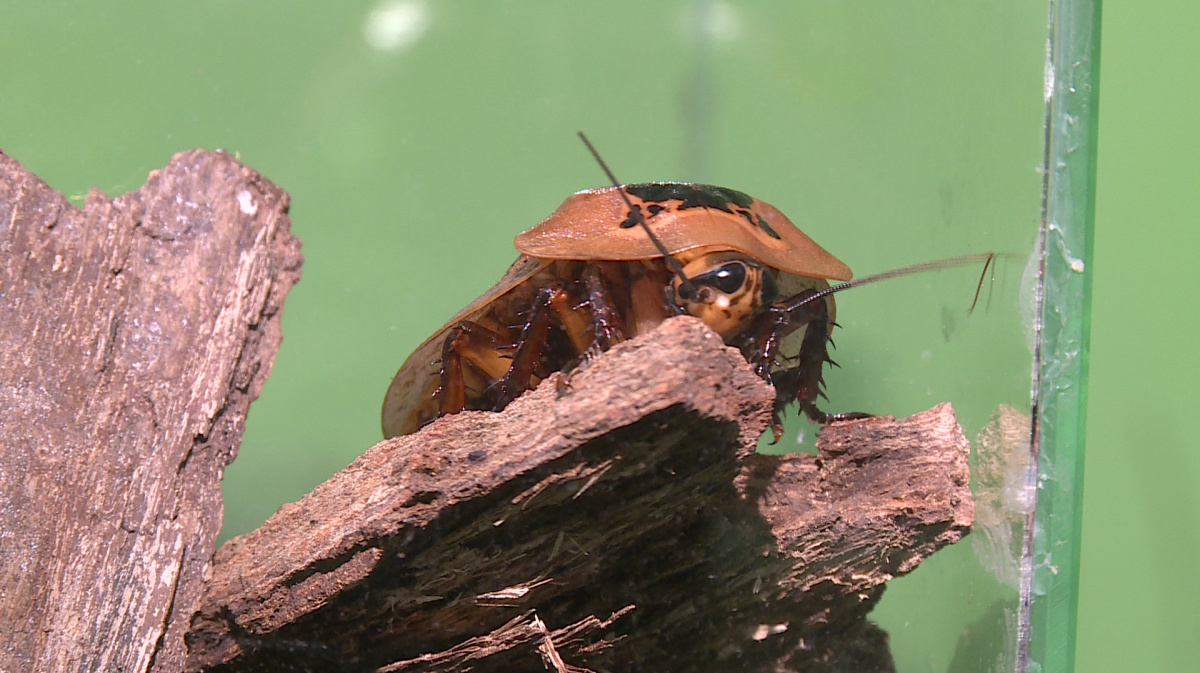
418 377
588 226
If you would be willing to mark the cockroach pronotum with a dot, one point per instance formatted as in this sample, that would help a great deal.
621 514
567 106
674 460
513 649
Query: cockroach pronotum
614 262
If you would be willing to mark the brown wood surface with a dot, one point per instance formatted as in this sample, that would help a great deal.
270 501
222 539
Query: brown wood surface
134 333
617 521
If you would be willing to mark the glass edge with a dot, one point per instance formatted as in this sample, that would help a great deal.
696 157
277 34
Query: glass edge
1050 569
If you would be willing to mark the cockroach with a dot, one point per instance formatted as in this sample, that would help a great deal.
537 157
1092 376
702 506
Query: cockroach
614 262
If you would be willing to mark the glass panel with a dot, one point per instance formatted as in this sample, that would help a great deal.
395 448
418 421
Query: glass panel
1051 563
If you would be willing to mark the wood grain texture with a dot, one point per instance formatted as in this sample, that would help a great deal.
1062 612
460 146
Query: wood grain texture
616 521
134 333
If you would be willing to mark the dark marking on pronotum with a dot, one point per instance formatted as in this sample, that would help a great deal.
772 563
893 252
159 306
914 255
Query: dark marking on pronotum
762 224
697 196
633 218
691 196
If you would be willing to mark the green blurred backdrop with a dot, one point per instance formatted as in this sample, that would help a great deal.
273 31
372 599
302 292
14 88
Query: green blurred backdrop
417 137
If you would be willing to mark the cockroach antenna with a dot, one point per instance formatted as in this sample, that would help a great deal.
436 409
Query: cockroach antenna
991 262
987 258
686 286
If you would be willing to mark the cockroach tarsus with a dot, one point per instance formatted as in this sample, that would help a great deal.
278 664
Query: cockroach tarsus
613 263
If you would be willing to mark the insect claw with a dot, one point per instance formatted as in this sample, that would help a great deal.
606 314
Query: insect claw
776 428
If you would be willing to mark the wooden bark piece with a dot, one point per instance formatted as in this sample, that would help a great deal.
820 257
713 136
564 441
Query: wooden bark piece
623 510
133 335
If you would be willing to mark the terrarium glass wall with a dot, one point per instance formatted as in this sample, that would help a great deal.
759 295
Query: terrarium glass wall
417 137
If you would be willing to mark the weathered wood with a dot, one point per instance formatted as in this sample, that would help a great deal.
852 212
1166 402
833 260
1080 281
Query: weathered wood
618 520
134 333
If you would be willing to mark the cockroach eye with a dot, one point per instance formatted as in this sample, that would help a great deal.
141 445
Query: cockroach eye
727 278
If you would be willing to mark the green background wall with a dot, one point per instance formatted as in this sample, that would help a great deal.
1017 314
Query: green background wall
413 157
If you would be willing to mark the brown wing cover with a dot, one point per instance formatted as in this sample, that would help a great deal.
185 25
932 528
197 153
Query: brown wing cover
588 226
412 383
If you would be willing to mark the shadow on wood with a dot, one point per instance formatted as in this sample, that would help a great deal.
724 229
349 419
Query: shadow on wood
616 521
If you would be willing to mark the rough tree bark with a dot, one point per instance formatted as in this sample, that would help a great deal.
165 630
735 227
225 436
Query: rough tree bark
617 521
133 335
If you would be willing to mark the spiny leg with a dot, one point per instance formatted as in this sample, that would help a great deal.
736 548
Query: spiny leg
607 326
531 344
573 321
802 382
760 346
809 381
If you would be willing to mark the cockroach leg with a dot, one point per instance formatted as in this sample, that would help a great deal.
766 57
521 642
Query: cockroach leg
476 345
764 353
818 416
483 348
760 346
573 321
809 380
784 381
763 359
607 326
803 382
531 343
